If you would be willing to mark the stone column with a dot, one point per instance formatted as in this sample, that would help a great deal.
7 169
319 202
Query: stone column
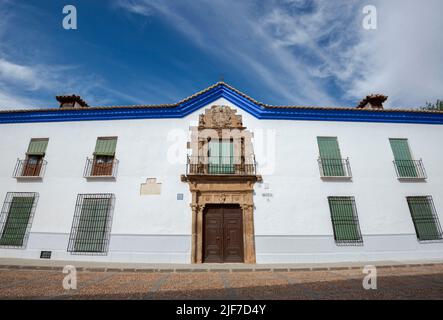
195 209
248 233
199 244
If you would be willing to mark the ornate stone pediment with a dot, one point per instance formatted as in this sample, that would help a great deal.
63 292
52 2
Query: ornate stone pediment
220 117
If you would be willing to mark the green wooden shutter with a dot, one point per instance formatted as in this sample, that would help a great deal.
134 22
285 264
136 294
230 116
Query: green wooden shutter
221 157
344 219
214 157
17 221
105 147
227 152
91 230
427 225
330 157
37 147
403 158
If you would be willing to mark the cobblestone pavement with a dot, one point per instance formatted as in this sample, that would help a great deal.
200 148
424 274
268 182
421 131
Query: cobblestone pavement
400 282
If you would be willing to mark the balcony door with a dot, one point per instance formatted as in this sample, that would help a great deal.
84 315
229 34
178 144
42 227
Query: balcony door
104 156
330 156
33 166
403 158
221 157
34 157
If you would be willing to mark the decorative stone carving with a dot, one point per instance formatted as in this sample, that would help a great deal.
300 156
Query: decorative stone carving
220 117
217 123
210 190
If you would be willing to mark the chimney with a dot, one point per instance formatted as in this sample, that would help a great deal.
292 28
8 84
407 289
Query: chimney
72 101
373 101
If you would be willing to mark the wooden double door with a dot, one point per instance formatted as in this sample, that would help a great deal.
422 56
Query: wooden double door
223 233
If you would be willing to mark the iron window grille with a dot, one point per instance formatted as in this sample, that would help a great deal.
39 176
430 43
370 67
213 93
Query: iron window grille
425 218
91 227
220 165
30 168
334 168
101 167
410 169
16 218
345 222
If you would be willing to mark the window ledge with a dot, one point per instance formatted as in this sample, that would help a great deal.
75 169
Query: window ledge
5 246
336 177
100 177
411 178
88 253
430 241
349 244
28 178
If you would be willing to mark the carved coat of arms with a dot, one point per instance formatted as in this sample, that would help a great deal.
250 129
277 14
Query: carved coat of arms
220 117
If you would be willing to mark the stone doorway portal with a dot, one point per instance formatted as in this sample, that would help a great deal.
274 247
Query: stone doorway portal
221 173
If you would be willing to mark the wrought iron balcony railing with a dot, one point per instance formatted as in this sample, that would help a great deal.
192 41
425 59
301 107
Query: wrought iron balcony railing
220 165
410 169
30 168
334 168
100 169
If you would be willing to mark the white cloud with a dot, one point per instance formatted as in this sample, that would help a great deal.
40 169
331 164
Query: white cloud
10 102
14 72
20 85
28 81
31 77
299 53
403 57
234 33
302 51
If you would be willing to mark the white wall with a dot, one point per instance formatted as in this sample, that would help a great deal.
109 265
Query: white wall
291 226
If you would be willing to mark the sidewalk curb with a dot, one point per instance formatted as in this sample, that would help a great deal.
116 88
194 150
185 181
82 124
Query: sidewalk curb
209 269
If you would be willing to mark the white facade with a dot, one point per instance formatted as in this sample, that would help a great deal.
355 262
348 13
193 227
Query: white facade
291 216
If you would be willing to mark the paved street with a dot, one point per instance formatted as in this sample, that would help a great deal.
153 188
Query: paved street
393 282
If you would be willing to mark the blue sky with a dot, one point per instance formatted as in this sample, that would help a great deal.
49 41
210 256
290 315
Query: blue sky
281 52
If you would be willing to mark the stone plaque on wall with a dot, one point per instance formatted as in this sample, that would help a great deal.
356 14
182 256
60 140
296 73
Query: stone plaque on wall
150 187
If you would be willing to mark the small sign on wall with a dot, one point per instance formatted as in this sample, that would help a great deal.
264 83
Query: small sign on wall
268 196
179 196
45 254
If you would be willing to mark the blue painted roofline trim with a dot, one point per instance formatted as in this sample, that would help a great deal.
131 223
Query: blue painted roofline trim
221 91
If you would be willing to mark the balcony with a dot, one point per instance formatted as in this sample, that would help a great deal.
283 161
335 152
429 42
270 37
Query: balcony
96 168
220 165
410 169
30 169
334 168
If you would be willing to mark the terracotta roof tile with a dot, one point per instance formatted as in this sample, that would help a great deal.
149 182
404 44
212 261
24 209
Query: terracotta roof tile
266 106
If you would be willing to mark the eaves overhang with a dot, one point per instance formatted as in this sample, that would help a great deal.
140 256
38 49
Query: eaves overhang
211 94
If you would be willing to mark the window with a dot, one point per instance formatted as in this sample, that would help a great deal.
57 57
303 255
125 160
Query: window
91 226
221 157
426 223
105 146
37 147
330 161
345 220
103 163
16 218
33 164
405 165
